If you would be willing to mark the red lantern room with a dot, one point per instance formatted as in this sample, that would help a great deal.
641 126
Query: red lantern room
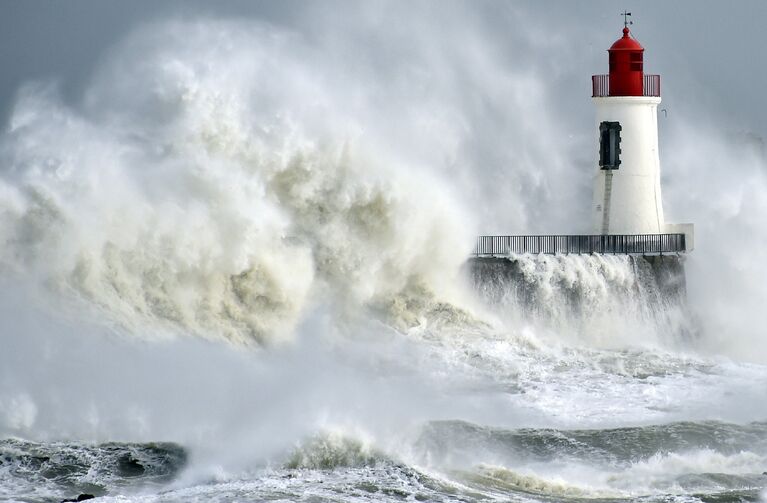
626 66
626 77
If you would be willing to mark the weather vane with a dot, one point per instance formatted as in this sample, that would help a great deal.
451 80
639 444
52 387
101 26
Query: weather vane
626 21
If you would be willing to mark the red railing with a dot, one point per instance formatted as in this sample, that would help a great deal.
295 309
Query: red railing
600 85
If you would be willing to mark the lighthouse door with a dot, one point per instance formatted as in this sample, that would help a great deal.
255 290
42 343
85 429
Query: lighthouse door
609 145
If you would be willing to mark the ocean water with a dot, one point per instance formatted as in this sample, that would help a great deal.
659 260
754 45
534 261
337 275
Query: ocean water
457 408
219 283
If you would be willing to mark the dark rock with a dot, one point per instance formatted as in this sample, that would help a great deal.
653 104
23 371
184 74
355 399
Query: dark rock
82 497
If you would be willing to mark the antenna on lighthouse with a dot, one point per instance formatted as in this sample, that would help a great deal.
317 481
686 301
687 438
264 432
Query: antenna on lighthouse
626 21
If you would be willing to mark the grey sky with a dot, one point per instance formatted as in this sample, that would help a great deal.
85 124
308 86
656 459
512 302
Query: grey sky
717 45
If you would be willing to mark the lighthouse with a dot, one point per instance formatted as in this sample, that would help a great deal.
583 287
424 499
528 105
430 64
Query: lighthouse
627 191
627 205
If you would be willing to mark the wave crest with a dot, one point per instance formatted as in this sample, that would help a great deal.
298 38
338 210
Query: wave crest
219 188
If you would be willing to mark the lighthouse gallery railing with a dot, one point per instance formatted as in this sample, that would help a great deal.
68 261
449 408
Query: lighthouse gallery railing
600 85
631 244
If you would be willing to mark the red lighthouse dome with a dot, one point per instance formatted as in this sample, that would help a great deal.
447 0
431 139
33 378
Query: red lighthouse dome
626 66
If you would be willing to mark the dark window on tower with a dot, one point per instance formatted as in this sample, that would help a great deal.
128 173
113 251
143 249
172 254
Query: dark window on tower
636 61
609 145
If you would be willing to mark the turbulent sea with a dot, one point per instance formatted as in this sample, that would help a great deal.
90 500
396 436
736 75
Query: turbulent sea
451 410
220 280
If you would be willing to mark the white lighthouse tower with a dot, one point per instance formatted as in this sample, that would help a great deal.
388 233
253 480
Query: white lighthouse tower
627 192
627 207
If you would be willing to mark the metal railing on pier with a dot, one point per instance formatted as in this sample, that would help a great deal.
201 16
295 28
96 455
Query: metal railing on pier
619 244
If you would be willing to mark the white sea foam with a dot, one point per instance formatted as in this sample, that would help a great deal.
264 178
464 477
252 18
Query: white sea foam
662 474
668 466
217 187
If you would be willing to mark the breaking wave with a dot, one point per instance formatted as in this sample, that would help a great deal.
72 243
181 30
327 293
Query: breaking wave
44 471
220 187
721 460
710 460
331 450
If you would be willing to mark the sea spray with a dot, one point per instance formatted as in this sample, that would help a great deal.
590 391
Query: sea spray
726 274
218 189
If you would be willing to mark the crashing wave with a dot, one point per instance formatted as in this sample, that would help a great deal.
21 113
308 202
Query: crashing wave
217 188
43 471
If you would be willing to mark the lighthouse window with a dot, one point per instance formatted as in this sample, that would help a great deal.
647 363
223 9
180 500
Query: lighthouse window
636 61
609 145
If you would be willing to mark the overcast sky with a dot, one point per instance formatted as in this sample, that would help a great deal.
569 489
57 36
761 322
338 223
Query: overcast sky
719 45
